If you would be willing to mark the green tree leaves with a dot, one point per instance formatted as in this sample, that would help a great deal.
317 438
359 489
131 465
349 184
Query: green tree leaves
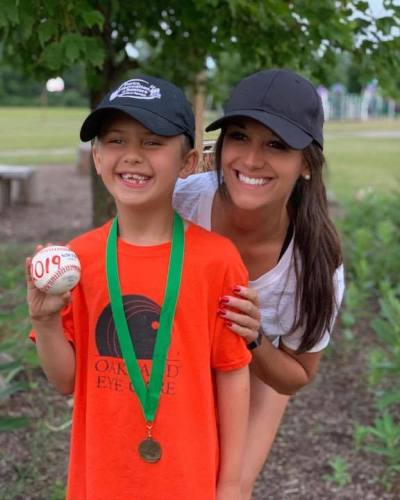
46 36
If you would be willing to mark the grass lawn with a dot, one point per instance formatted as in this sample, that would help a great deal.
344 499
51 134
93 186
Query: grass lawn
356 164
34 136
39 135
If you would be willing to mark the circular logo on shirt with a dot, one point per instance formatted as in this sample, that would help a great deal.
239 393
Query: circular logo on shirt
142 315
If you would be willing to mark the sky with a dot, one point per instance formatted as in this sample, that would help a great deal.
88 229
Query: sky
378 10
377 6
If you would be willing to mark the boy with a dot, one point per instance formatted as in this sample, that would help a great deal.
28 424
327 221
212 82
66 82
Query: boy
147 383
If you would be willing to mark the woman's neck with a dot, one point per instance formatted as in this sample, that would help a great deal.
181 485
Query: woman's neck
268 224
151 226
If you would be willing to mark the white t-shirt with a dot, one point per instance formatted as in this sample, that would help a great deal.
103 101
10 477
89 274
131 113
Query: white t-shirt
276 288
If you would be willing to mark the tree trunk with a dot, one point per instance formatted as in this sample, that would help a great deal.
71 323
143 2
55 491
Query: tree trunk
103 207
199 110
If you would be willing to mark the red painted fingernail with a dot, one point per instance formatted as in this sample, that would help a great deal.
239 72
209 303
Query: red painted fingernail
237 289
221 312
228 323
224 300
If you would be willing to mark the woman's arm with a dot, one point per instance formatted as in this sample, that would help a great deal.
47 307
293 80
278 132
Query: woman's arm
233 389
282 369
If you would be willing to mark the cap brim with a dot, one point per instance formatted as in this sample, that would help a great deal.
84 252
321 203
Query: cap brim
92 125
291 134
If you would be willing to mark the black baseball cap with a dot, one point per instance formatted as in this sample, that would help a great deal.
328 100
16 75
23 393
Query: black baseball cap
283 101
158 105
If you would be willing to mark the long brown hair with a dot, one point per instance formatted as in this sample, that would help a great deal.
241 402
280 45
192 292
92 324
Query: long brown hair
316 245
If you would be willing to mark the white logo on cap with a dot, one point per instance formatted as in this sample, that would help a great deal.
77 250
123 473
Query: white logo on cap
137 89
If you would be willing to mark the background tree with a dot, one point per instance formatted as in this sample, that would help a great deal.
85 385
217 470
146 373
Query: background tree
173 39
19 89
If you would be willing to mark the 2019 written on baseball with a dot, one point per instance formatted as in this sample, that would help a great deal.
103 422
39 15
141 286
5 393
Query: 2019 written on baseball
40 267
55 269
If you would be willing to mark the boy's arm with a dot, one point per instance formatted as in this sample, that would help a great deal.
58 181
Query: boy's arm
233 412
56 354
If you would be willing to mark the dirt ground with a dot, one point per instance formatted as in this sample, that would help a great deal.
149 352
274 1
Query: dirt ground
62 207
318 425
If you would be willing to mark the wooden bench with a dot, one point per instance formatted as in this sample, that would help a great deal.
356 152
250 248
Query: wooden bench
18 184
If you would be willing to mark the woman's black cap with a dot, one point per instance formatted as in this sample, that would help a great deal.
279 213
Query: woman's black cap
283 101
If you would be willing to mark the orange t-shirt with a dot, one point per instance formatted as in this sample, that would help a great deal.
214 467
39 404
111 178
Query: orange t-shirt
108 423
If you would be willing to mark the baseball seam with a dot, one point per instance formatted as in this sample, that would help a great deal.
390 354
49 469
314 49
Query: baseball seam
58 274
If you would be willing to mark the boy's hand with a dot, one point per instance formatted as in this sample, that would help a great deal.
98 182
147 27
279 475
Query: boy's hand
43 306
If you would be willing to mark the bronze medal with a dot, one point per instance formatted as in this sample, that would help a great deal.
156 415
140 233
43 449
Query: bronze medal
150 450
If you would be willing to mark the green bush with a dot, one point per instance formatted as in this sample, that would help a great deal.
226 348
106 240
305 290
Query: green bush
383 439
339 475
17 354
384 363
371 236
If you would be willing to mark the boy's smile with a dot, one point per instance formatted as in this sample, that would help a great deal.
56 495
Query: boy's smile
138 167
134 179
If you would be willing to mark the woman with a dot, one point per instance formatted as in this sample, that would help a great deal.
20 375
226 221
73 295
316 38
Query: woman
267 195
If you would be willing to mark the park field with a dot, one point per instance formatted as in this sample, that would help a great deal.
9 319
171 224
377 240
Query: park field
361 155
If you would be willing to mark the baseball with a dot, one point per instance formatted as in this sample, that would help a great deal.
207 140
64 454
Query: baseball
55 269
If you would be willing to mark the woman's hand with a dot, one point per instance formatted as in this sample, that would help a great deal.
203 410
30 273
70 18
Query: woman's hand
42 306
241 312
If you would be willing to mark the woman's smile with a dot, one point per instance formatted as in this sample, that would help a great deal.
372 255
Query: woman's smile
252 181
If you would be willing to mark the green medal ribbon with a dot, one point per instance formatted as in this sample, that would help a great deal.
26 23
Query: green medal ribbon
149 395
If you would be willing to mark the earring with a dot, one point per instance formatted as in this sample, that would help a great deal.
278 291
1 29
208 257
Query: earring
306 177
